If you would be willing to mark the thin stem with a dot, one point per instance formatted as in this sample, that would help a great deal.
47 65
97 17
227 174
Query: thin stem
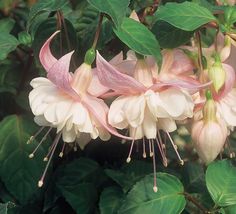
98 30
195 202
216 43
200 55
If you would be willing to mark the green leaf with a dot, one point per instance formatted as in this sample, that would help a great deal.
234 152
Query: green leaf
42 7
79 171
169 36
230 17
9 78
142 198
186 16
221 182
230 209
137 37
194 178
129 174
19 173
46 29
8 43
6 25
86 28
81 197
3 208
110 200
115 9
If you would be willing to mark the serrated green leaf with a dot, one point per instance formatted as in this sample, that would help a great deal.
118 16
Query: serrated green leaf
115 9
8 43
19 173
142 198
221 182
6 25
187 16
137 37
169 36
81 197
110 200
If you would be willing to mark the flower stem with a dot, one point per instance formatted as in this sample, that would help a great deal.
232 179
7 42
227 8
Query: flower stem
195 202
98 30
200 55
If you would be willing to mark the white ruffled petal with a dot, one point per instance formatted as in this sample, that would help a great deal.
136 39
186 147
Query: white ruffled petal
149 125
40 81
134 110
166 124
116 115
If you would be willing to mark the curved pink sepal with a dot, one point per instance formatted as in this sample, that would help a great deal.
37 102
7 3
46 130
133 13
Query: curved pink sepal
110 77
191 85
99 110
60 76
45 56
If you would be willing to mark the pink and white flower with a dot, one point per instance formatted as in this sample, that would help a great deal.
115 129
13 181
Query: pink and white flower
62 101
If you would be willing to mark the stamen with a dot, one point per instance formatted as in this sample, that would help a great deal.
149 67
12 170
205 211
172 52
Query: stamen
155 189
56 140
144 149
45 159
150 148
131 148
163 156
175 148
62 150
35 135
40 143
130 151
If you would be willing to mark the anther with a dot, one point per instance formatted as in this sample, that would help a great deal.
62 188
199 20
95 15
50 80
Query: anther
45 159
35 135
155 189
31 155
40 183
128 159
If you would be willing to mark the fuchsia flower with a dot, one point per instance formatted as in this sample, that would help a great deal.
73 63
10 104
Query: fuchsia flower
146 104
209 134
61 101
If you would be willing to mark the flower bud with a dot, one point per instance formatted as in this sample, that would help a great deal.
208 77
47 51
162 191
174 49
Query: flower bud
217 75
209 134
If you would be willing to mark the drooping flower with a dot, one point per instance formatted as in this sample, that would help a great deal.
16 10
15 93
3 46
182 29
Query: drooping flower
209 133
62 101
146 104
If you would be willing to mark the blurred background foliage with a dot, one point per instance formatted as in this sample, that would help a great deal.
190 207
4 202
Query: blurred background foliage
97 179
